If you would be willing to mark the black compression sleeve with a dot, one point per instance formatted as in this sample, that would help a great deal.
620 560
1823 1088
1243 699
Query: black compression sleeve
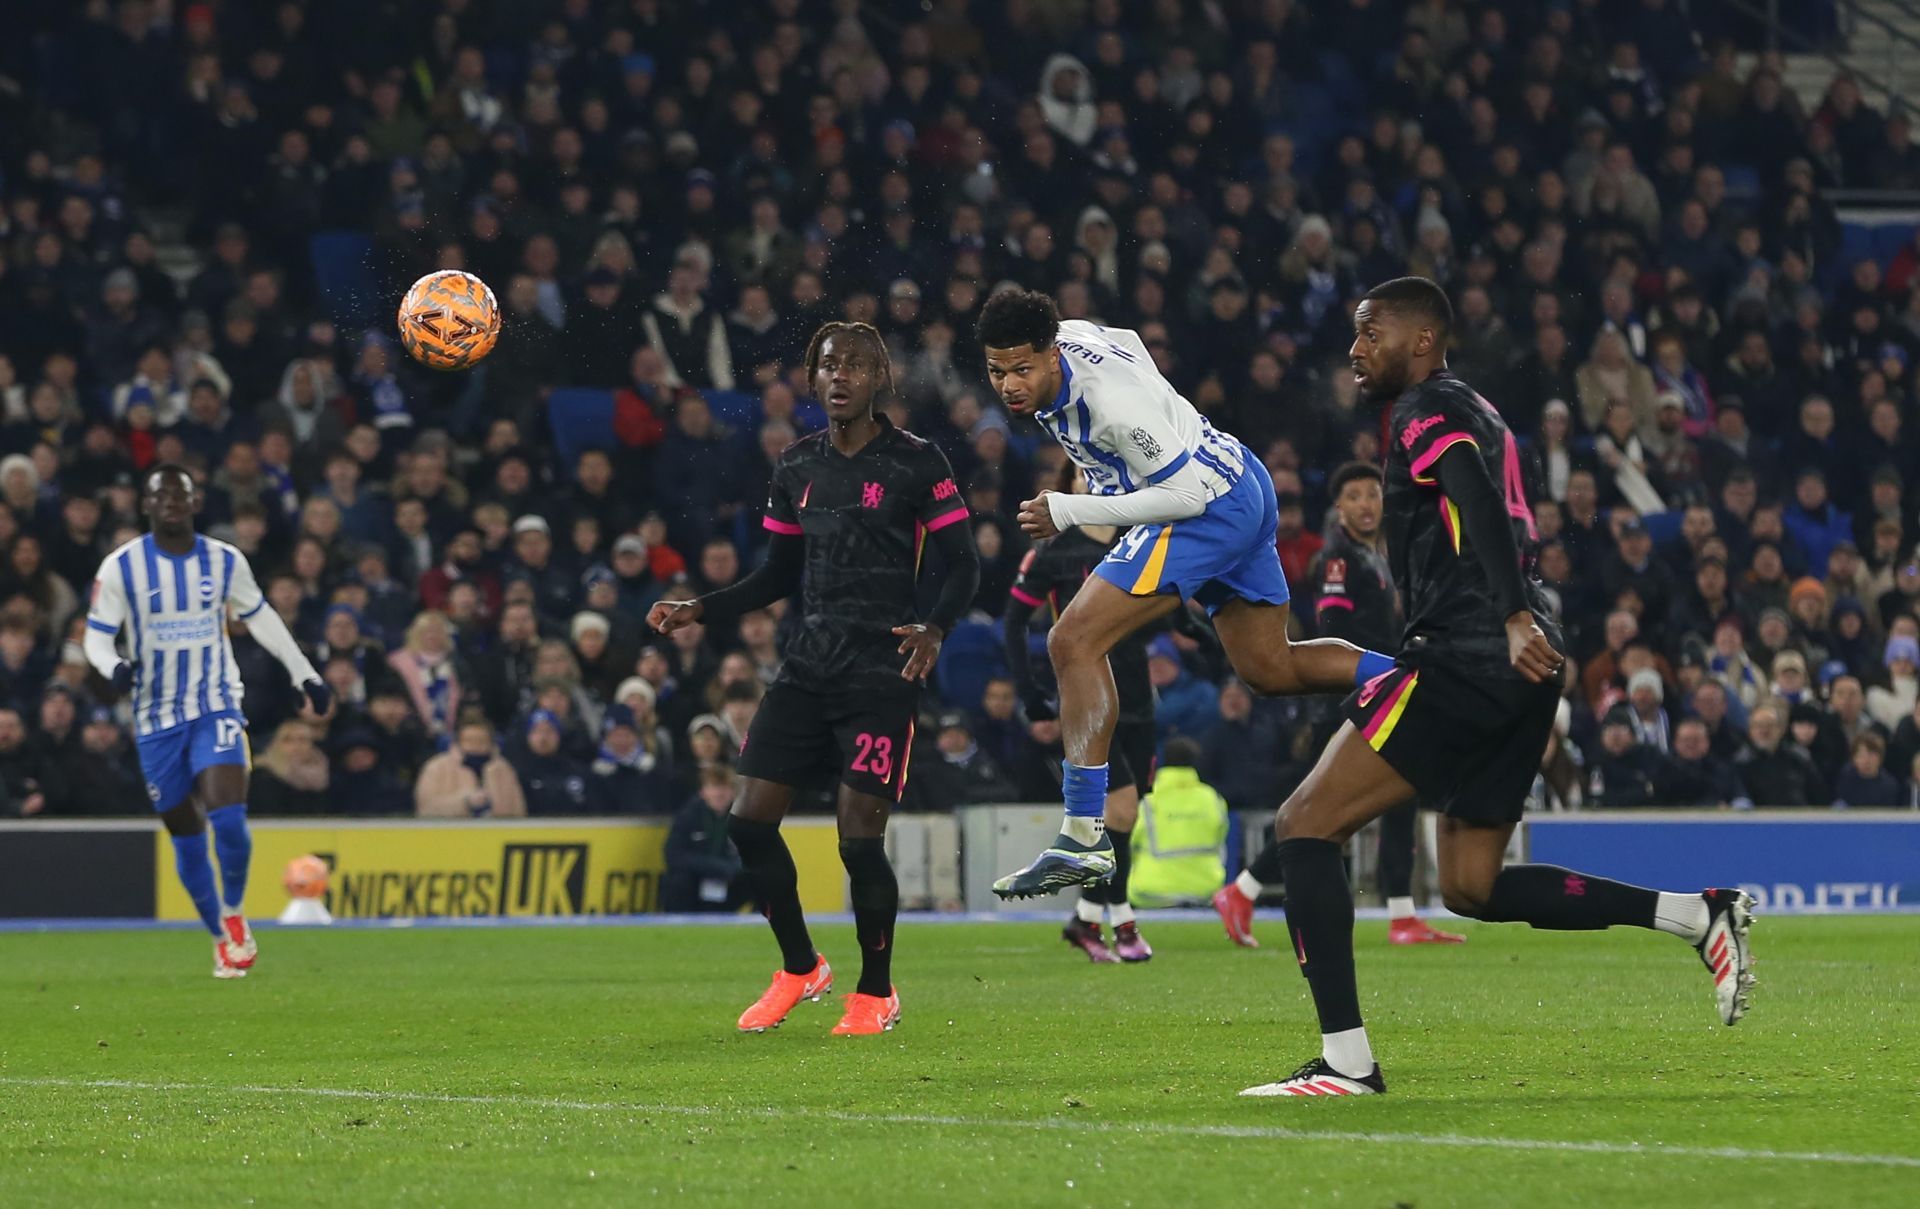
955 543
775 579
1014 631
1484 523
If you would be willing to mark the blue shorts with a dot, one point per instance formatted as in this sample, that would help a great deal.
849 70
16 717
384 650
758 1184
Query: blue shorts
1226 553
172 759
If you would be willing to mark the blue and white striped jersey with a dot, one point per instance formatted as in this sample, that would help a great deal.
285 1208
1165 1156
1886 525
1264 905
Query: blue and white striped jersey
1125 424
170 616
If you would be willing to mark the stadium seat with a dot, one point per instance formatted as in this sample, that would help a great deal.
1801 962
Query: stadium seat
343 275
969 657
581 418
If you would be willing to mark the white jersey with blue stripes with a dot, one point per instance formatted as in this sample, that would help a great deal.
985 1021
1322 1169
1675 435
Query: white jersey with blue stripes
170 615
1124 424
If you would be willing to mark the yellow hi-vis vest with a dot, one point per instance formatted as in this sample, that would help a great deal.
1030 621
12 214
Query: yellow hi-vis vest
1178 841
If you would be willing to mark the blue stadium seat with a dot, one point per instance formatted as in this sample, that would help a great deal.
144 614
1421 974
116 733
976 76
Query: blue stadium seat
734 408
969 657
1663 527
581 418
343 276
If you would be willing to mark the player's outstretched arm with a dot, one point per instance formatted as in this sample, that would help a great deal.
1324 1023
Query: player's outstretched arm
1483 521
774 579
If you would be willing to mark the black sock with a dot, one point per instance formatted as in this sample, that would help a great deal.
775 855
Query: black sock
1547 896
876 902
1396 850
1320 917
1266 866
1116 888
776 885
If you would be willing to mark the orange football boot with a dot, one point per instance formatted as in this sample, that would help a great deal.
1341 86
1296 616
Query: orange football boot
787 990
869 1014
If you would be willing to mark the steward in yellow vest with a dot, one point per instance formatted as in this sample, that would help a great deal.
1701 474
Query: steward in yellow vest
1178 841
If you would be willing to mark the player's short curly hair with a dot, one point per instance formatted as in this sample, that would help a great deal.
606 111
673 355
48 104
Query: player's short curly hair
1014 317
1417 298
865 331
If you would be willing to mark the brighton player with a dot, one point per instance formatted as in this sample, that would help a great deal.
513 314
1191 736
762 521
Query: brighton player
157 626
849 513
1201 520
1462 716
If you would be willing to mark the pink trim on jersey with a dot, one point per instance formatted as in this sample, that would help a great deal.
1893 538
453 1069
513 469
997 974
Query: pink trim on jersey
1336 602
779 526
1441 444
1025 597
947 518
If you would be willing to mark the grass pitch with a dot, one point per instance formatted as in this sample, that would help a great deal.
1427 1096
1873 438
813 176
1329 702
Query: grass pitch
562 1066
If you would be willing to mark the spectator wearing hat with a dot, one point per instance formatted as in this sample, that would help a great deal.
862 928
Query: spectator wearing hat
471 779
1184 704
1773 769
361 780
958 771
292 775
602 665
629 774
711 743
1693 774
703 871
1815 732
535 561
1645 711
1631 566
1893 700
636 587
1624 772
603 327
1807 617
101 772
638 694
554 783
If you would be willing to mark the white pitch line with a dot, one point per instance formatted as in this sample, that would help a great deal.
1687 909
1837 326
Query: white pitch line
1271 1132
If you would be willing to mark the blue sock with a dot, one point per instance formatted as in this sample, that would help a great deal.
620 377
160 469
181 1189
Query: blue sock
233 844
1085 789
196 874
1372 663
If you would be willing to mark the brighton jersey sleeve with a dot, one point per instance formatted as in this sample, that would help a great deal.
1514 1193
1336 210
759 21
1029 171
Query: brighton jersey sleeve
244 593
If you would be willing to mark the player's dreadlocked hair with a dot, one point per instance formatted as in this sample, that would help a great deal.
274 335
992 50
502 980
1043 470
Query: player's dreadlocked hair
840 327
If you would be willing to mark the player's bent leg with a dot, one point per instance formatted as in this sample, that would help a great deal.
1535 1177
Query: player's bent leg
1273 665
221 790
1474 883
874 1006
754 827
1351 785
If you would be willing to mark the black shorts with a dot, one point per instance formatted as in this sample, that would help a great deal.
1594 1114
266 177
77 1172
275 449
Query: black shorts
803 738
1470 746
1130 757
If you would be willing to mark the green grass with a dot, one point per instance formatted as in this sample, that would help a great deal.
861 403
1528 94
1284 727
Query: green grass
603 1067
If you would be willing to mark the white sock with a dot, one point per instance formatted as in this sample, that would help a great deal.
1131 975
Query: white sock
1120 913
1083 829
1348 1052
1248 884
1400 907
1682 915
1090 912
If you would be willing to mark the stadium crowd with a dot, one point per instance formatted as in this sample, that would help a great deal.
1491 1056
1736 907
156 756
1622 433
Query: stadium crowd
669 198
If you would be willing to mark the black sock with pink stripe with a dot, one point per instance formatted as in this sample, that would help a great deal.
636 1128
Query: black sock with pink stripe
1560 900
1320 919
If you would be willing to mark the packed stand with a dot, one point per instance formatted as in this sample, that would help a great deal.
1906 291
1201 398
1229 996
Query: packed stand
669 198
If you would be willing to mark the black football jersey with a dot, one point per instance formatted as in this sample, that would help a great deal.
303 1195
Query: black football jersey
865 519
1353 593
1443 585
1051 574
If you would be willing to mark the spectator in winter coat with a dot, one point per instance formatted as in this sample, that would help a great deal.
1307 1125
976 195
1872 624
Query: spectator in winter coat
1625 772
554 783
1695 776
703 872
1242 751
1184 704
958 771
1773 770
689 333
1865 781
630 775
1813 520
470 780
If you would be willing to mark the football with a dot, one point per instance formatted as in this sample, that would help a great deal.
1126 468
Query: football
449 320
306 877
